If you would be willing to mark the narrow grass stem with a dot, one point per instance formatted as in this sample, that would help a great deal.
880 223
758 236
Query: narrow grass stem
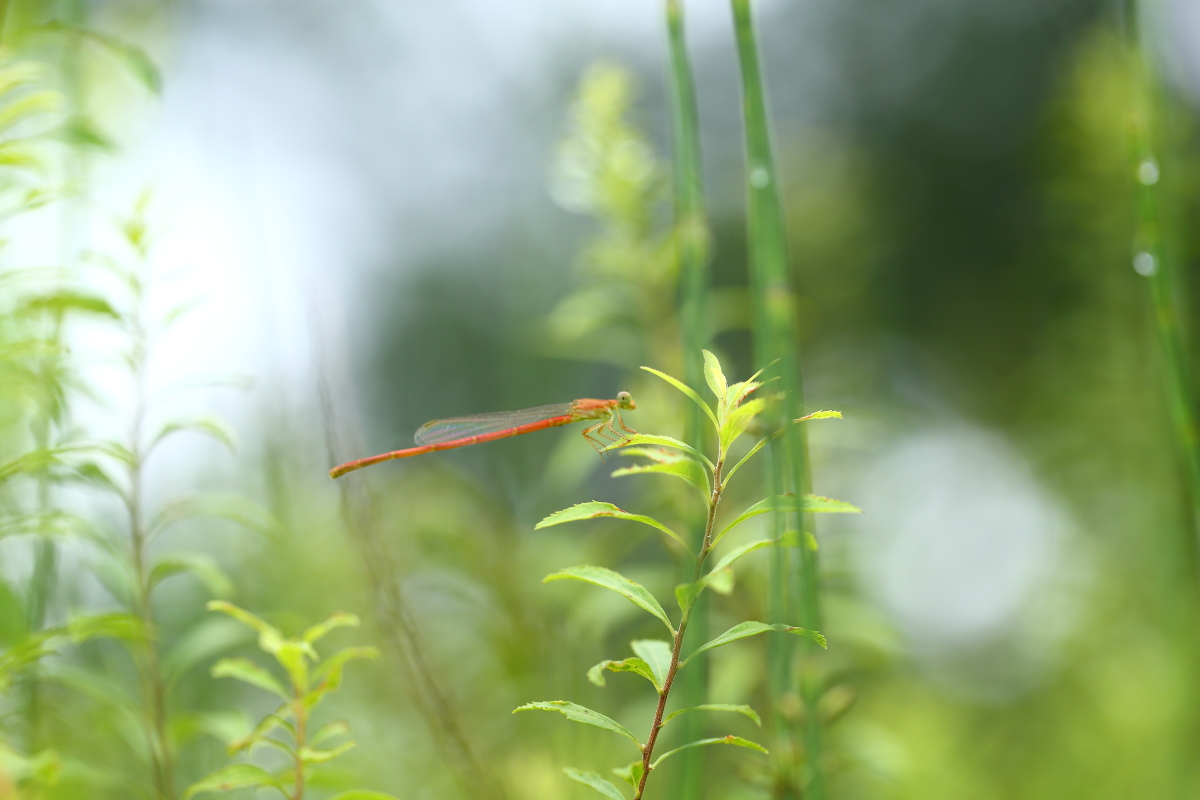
794 572
714 500
300 712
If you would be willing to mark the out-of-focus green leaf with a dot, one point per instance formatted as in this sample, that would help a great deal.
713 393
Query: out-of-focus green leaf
64 301
689 391
329 730
269 637
329 672
264 727
744 629
657 654
232 776
596 782
206 426
600 576
363 794
737 741
235 508
667 462
81 131
580 714
28 106
634 665
595 509
312 755
338 619
791 503
202 566
116 625
247 671
746 711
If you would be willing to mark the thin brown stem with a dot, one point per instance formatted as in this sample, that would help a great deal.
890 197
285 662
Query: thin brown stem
714 500
301 714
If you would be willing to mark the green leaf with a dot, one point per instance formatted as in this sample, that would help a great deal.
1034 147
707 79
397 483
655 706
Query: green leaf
744 629
736 709
30 105
593 780
720 581
311 755
820 415
331 668
259 734
207 426
338 619
329 730
657 654
734 740
247 671
662 441
81 131
235 508
269 637
715 378
232 776
117 625
791 503
737 420
636 665
580 714
631 773
363 794
62 302
600 576
667 462
733 555
687 390
200 565
686 594
753 451
596 509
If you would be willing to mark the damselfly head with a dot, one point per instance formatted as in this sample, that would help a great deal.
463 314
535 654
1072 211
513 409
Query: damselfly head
625 401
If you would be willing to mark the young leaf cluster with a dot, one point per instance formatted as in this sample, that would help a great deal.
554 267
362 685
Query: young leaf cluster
658 661
288 729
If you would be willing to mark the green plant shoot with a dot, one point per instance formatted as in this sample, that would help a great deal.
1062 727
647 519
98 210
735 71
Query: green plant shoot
288 729
659 660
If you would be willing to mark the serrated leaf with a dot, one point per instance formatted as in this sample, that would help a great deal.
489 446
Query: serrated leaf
596 509
635 439
744 629
596 782
689 391
578 713
198 564
715 378
247 671
730 558
600 576
820 415
338 619
791 503
635 665
737 741
681 466
657 654
206 426
738 419
232 776
745 711
312 755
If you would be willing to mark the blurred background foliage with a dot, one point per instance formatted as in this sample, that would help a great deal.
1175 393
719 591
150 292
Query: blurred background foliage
463 209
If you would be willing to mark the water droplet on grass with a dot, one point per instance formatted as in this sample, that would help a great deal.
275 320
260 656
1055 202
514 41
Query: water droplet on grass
1148 172
759 178
1145 264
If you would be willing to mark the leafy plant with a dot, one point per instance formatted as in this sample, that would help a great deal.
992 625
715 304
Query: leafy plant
304 689
657 660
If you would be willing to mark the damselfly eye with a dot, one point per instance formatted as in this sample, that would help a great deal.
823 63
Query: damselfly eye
625 400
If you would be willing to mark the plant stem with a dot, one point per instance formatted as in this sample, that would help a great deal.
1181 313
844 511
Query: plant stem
691 237
300 712
149 668
794 585
714 500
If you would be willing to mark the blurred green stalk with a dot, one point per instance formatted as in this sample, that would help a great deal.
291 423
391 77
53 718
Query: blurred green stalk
1154 258
691 237
793 589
